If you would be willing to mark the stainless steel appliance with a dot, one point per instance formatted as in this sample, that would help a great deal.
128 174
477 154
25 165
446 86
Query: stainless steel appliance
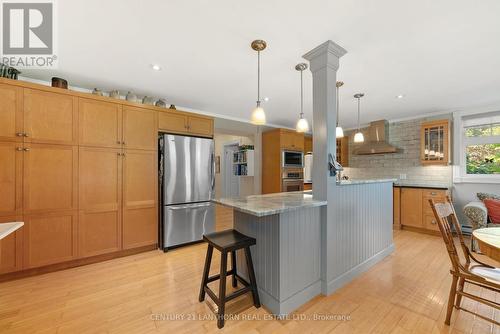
292 179
292 159
187 183
308 162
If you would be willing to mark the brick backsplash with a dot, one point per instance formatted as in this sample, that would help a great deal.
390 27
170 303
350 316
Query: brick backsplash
405 136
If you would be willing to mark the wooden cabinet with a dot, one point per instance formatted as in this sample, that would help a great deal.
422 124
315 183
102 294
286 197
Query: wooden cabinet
100 200
292 140
49 238
396 192
50 118
201 126
11 248
308 144
343 151
50 174
307 186
415 209
411 207
11 113
140 127
435 142
100 123
11 158
140 193
184 123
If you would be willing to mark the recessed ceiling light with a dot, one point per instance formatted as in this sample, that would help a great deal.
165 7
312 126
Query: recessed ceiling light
156 67
400 96
266 99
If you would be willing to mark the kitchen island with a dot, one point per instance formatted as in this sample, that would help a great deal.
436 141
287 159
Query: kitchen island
300 253
286 258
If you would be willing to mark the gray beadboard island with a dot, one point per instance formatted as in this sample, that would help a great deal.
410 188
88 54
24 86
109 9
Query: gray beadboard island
290 233
287 227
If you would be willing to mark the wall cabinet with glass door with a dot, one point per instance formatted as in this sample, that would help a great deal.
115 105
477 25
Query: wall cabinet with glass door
435 142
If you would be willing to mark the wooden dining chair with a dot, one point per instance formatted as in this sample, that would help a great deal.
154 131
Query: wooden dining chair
472 271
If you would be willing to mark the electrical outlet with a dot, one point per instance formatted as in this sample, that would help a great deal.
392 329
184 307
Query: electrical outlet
402 176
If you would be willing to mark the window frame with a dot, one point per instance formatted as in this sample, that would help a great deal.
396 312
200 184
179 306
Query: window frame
460 146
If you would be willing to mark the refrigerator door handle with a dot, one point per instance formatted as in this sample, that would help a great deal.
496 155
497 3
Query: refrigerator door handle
212 165
184 207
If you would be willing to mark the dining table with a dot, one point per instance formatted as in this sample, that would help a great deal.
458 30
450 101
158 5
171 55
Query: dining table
488 239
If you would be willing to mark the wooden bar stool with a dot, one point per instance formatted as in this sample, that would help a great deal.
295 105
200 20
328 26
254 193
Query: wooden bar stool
228 241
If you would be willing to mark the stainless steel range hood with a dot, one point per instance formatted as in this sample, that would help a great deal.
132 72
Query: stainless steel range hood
377 141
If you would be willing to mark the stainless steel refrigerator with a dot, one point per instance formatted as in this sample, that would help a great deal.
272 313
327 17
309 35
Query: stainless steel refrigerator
187 180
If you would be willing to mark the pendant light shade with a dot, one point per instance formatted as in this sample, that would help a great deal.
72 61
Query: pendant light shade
302 123
358 137
258 114
339 132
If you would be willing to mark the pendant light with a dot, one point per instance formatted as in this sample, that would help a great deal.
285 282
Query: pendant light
339 132
358 137
258 114
302 124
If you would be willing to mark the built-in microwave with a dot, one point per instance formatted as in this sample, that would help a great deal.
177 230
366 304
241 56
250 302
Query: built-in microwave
292 159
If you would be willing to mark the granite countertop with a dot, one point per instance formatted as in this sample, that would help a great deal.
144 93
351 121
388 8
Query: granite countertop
8 228
353 182
270 204
414 184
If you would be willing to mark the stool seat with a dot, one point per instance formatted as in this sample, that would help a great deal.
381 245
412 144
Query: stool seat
229 240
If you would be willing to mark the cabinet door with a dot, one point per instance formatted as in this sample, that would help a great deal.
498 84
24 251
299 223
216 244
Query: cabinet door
140 193
100 200
11 159
140 128
49 238
11 113
201 126
396 207
411 207
287 140
308 144
100 123
174 122
50 177
50 118
298 141
11 248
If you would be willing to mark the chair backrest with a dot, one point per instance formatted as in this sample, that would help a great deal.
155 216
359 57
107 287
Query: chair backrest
446 218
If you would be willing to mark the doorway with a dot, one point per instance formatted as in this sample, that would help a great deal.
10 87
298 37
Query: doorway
230 181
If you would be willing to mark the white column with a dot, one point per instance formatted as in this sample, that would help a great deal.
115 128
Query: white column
324 63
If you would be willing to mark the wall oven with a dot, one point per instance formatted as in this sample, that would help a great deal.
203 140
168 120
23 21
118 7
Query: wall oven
292 159
292 179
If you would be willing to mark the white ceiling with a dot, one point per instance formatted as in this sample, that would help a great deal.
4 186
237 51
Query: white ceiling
442 55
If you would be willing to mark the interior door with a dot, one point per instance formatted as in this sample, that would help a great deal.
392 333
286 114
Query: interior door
140 128
100 200
100 123
50 118
11 113
230 182
188 169
11 159
140 197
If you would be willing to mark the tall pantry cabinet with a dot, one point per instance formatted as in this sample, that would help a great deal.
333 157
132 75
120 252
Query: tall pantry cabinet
81 173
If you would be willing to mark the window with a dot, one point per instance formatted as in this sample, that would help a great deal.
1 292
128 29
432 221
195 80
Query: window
480 147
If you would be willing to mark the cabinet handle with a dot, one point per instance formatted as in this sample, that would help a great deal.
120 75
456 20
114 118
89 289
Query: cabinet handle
433 193
19 148
26 149
118 154
26 135
20 134
118 142
123 142
123 154
433 222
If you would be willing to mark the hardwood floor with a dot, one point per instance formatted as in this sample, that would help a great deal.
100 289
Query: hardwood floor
144 293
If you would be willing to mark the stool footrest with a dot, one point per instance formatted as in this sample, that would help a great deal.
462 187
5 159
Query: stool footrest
242 280
216 277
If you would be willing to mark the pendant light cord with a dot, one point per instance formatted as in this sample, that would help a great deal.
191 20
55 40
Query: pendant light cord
358 112
301 96
258 78
338 113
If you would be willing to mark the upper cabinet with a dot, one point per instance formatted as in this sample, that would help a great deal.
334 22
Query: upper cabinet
11 113
435 143
100 123
308 144
184 123
140 127
343 151
291 140
50 118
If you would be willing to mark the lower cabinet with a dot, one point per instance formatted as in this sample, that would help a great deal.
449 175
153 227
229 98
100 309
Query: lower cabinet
49 238
415 209
11 248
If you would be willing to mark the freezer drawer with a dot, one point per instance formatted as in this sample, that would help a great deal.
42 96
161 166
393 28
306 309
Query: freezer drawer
187 223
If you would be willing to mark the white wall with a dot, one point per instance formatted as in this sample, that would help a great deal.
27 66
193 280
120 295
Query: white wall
246 183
